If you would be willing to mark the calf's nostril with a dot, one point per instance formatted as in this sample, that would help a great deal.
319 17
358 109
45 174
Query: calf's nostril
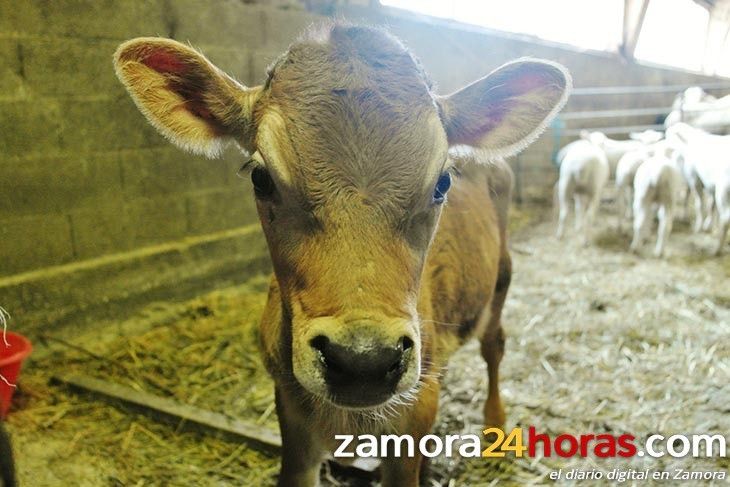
319 343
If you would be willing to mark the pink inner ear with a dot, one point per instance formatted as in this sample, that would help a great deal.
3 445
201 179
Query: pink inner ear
198 108
164 62
527 82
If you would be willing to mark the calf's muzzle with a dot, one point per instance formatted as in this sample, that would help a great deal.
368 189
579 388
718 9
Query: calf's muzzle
358 376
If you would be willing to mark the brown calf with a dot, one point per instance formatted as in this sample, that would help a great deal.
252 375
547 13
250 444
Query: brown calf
350 165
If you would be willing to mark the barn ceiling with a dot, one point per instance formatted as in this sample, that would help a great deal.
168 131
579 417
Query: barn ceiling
717 31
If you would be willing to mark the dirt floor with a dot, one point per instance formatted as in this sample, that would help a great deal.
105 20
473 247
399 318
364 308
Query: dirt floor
599 340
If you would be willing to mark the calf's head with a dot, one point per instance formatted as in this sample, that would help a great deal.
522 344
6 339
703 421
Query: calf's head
349 161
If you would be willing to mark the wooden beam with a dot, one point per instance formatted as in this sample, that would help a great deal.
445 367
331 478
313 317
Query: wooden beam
174 412
187 417
634 13
716 36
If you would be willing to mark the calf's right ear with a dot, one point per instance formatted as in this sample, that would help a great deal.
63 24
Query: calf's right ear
505 111
185 97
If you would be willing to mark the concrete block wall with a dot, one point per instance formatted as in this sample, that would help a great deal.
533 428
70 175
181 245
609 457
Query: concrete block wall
87 184
89 188
83 174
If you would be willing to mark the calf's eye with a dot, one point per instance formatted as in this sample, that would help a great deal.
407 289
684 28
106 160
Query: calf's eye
263 185
442 187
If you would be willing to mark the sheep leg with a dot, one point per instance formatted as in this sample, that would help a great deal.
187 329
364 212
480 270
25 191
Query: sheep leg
666 219
621 210
709 214
685 203
699 207
579 205
640 220
723 210
724 225
628 198
565 193
589 217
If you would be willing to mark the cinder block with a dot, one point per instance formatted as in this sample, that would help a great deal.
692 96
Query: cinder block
110 124
69 66
203 173
101 229
156 220
220 210
154 172
20 17
115 225
107 19
169 170
33 242
282 26
11 70
226 23
57 183
29 127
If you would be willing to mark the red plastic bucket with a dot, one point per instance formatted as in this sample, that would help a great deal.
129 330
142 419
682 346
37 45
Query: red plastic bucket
11 359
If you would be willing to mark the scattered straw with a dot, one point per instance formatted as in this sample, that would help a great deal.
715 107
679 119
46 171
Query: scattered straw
654 357
4 318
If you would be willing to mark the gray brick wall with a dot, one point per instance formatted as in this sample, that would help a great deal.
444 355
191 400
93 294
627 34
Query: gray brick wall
84 175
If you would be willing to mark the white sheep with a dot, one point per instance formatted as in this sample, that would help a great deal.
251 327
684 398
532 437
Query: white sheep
625 173
584 171
630 162
722 201
614 149
698 109
657 184
647 136
707 169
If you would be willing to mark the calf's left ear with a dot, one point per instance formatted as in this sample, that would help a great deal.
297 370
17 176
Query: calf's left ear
185 97
508 109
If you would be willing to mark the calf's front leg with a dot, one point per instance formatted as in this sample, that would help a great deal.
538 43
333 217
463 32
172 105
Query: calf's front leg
301 452
416 421
493 341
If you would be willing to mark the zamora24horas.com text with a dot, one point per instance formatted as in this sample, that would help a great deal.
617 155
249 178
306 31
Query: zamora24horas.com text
532 443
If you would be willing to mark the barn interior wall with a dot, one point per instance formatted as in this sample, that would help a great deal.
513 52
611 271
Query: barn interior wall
96 208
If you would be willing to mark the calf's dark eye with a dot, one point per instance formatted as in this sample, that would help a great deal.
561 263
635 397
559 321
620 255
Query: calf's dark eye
263 185
442 187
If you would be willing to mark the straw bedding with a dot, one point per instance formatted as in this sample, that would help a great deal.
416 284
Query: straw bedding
598 341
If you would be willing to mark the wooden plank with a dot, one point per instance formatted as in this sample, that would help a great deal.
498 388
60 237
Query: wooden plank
629 112
171 411
633 90
184 416
634 13
614 130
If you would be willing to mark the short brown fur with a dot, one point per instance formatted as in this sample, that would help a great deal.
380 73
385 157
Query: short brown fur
365 254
